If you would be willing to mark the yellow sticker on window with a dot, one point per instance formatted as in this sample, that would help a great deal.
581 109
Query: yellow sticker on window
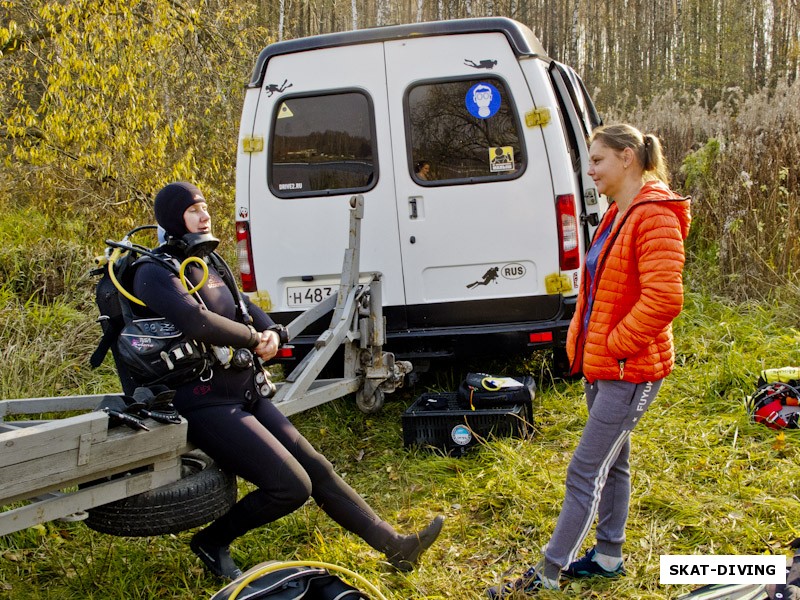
284 112
501 159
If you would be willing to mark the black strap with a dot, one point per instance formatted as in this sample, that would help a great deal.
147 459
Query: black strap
227 276
110 335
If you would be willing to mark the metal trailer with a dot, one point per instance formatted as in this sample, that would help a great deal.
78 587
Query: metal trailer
60 468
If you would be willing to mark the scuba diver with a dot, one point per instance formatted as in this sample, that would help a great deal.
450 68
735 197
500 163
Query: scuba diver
228 414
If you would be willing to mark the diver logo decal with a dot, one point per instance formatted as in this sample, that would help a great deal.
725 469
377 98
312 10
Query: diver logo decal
507 271
484 64
488 277
272 88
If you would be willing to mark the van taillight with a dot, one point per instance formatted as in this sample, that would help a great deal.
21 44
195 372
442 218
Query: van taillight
541 337
244 254
285 352
568 252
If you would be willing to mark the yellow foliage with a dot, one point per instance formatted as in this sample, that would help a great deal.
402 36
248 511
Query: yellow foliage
104 101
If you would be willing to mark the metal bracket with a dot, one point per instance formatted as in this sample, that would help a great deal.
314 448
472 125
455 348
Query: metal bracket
358 324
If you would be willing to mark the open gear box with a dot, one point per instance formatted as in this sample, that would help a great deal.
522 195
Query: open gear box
439 420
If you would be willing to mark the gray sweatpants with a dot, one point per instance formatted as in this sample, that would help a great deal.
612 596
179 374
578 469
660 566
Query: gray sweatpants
598 476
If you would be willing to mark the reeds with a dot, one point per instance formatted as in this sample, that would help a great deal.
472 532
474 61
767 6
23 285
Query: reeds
738 160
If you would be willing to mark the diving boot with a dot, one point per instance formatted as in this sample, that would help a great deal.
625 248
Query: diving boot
217 559
406 550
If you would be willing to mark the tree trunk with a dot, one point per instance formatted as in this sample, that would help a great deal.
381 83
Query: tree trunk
281 12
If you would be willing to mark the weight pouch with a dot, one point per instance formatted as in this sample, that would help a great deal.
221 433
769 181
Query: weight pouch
157 352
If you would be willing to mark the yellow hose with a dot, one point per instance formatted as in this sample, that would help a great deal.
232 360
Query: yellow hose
185 281
301 563
182 271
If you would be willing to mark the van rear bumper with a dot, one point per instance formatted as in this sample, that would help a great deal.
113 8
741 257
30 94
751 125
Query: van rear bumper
490 340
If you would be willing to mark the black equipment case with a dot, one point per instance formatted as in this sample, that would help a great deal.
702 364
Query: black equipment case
484 406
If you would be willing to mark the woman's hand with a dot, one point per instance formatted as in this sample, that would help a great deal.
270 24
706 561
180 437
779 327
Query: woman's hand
268 345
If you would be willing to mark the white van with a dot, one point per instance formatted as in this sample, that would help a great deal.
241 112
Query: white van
468 144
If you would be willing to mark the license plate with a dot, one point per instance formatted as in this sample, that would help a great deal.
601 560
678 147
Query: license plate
305 296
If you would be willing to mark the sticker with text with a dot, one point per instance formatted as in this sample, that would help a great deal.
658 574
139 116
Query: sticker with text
722 569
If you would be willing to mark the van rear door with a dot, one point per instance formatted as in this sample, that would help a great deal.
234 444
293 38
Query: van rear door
581 118
477 226
324 116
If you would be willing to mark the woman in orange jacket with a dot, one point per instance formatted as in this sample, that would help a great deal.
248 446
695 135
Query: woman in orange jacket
621 340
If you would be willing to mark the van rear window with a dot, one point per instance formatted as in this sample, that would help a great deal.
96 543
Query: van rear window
323 144
460 131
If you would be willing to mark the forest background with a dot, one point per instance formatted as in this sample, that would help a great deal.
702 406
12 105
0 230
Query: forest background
103 101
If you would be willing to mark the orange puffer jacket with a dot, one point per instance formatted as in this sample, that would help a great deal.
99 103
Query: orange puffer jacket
638 291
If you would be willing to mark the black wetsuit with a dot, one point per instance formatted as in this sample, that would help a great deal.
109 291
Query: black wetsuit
251 439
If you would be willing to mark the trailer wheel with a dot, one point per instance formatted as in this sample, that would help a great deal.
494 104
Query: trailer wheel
372 403
203 493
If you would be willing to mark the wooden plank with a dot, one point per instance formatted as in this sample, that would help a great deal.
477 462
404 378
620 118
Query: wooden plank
11 425
122 450
50 404
60 506
50 437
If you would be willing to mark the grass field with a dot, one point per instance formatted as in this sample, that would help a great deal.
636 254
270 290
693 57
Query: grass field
706 481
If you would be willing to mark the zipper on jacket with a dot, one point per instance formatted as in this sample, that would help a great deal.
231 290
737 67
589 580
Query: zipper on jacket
577 363
601 267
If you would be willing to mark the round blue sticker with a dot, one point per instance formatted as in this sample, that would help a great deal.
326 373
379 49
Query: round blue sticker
483 100
461 435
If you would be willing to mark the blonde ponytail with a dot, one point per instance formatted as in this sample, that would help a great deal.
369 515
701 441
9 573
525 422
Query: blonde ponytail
646 148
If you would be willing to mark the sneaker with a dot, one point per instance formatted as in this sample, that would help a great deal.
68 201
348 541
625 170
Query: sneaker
528 583
217 559
587 567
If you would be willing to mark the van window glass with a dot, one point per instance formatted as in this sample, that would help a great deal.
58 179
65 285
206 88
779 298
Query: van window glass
460 131
323 143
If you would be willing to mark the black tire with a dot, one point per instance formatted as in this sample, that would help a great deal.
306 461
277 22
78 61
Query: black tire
203 493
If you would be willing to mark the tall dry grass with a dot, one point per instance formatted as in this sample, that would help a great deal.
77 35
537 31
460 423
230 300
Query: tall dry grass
739 161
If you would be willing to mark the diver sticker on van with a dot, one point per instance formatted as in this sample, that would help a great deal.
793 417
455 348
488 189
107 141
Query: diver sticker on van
482 100
507 271
486 279
501 159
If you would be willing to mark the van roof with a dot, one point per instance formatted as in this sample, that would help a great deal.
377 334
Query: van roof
523 41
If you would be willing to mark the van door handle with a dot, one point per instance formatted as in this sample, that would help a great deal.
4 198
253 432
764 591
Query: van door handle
412 205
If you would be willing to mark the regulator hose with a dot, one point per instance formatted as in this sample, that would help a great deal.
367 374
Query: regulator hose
181 272
302 563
